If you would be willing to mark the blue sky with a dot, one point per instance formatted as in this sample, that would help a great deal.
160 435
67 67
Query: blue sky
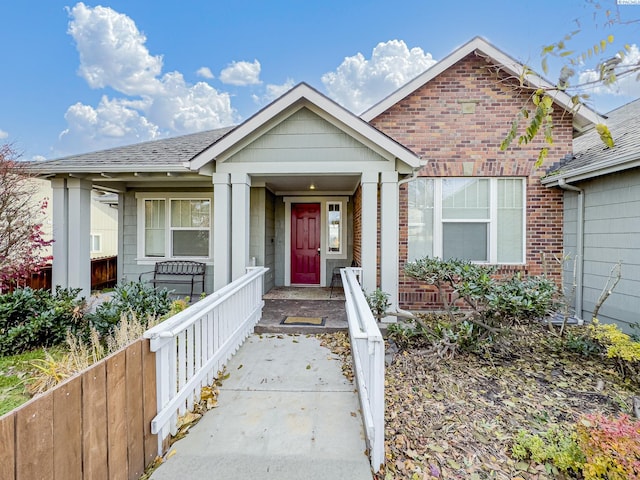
80 77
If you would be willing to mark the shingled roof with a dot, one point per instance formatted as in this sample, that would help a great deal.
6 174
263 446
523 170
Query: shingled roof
592 157
166 155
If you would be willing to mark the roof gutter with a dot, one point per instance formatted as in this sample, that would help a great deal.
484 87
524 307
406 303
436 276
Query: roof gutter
589 171
414 174
579 258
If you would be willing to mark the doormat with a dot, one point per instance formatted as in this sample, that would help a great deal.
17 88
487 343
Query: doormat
313 321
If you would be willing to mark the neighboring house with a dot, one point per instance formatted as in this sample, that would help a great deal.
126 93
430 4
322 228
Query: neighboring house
304 186
104 220
602 217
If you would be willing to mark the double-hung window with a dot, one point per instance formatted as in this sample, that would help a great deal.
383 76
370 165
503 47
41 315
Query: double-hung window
476 219
174 226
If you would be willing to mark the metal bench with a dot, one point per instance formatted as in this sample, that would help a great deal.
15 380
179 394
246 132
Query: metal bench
183 272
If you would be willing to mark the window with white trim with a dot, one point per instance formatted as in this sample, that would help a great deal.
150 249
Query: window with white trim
334 227
96 242
175 227
477 219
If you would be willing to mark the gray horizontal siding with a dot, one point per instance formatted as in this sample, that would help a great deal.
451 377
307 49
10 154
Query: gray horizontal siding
131 268
569 238
612 234
305 136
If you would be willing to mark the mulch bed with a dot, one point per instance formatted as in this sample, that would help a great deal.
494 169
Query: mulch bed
456 418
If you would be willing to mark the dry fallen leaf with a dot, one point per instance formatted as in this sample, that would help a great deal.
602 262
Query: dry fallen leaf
458 416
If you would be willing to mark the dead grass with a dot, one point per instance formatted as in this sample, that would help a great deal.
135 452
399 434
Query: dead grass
52 370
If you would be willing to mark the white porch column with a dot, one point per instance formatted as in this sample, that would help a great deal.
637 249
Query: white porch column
240 201
221 230
60 217
368 249
389 225
79 234
120 257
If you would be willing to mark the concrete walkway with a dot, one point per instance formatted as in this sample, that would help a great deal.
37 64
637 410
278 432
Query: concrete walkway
285 412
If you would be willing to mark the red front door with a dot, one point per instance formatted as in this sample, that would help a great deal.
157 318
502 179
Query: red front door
305 243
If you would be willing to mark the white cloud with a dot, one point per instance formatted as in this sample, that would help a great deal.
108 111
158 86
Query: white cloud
204 72
3 134
113 52
112 122
626 86
358 83
273 91
241 73
190 108
154 105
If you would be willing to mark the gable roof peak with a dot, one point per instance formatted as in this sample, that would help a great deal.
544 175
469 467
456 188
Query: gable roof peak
583 118
300 96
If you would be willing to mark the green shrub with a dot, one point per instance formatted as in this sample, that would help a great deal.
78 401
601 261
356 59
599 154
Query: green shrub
378 302
555 448
478 304
439 333
407 335
618 346
599 448
38 318
488 300
137 298
522 299
582 343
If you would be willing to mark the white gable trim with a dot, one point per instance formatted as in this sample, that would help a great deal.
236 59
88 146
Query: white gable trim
299 96
583 118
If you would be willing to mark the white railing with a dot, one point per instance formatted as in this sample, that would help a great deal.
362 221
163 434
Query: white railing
194 345
367 349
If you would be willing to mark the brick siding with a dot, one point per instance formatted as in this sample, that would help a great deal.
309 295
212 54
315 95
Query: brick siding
431 123
357 226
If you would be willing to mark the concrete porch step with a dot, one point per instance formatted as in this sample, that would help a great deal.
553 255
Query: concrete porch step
276 310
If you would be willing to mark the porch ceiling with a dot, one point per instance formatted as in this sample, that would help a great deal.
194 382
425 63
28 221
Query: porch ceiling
301 184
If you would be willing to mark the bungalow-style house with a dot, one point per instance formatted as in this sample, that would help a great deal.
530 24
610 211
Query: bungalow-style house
601 188
305 186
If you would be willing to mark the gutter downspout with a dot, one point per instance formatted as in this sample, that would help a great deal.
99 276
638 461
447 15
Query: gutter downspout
579 245
413 176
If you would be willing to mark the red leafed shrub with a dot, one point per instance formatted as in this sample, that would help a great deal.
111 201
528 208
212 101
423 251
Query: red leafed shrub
611 446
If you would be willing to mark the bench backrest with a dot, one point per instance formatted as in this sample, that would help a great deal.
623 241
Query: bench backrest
179 267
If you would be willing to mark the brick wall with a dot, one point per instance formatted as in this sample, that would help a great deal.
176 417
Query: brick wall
432 124
357 226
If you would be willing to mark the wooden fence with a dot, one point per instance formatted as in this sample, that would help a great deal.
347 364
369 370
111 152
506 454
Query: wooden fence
95 425
103 274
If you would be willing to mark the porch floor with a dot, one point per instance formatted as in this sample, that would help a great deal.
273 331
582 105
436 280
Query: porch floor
282 302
